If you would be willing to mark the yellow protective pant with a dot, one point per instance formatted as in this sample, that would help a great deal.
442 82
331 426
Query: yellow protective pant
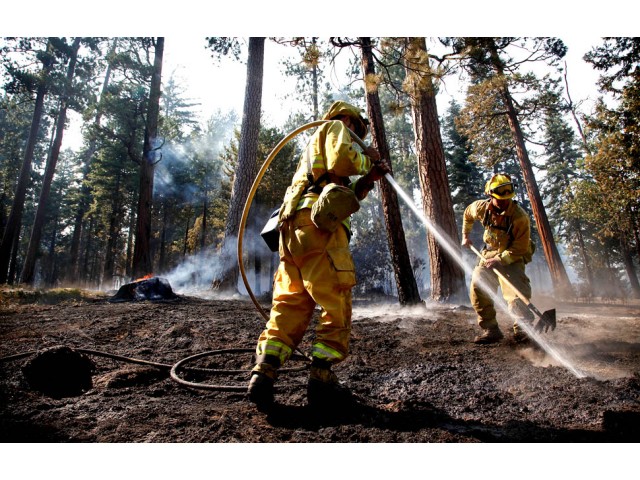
482 302
315 267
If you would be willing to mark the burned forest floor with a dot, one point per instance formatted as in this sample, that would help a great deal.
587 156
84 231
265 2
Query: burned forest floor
415 374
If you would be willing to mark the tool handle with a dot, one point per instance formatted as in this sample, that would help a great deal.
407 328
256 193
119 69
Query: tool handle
501 275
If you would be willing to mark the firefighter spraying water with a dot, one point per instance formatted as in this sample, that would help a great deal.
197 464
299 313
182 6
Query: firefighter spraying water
316 267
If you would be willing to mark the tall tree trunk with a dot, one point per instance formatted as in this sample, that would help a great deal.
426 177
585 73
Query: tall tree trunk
585 258
447 276
162 260
13 267
142 262
28 270
132 226
314 85
559 275
52 273
247 165
203 237
408 293
108 269
576 227
86 271
14 223
636 235
629 268
572 109
186 236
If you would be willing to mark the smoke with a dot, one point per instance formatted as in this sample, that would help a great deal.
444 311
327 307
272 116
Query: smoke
195 275
195 158
390 312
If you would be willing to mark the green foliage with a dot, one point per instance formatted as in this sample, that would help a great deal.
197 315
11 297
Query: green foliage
309 74
223 46
466 178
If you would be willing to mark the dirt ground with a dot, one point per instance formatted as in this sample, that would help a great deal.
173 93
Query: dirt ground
415 374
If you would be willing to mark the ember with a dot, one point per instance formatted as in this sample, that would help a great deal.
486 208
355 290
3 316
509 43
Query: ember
154 288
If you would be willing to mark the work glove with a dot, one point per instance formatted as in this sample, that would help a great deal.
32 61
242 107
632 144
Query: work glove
379 169
493 262
366 182
372 153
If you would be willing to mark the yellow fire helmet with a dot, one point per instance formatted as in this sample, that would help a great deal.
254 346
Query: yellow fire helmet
500 186
344 108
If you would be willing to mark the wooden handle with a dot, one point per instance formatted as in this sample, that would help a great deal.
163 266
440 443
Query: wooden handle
501 275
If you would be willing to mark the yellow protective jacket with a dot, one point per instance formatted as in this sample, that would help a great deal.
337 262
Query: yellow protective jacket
331 151
507 234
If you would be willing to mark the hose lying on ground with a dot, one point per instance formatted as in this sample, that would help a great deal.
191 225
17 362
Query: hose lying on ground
174 368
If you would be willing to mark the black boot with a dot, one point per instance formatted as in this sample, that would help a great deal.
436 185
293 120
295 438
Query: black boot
324 391
260 390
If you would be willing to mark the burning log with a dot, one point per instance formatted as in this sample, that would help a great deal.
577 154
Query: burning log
152 288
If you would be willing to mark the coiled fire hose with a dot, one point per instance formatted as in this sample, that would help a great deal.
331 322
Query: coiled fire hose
173 369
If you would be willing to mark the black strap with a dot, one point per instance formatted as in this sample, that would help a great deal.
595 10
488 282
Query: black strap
313 186
486 222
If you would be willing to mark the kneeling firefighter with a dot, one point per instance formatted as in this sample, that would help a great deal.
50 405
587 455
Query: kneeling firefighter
316 267
508 247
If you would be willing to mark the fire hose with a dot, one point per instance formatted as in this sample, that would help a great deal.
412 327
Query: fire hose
180 365
249 201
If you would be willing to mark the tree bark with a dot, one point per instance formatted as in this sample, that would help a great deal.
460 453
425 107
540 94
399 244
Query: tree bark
247 167
142 262
115 217
205 207
408 293
585 258
447 276
314 84
14 223
162 260
629 268
28 269
559 275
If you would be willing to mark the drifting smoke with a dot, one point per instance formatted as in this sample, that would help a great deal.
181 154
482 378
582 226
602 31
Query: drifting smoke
196 273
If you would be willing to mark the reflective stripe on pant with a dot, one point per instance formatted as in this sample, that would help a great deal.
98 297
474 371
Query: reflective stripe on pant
482 302
315 268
